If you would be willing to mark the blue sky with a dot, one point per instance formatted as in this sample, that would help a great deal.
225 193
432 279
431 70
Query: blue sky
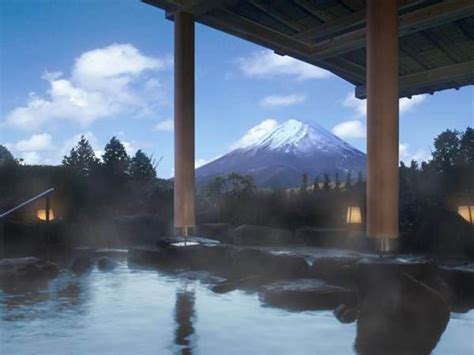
104 68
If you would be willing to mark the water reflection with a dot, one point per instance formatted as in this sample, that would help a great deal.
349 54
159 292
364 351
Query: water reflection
184 314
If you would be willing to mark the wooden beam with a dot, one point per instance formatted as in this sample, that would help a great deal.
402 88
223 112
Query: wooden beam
410 22
199 7
277 16
322 16
412 83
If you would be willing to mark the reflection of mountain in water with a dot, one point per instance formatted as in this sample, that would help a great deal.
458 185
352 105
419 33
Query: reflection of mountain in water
184 316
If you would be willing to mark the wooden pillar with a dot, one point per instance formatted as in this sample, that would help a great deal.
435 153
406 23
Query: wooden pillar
184 123
382 123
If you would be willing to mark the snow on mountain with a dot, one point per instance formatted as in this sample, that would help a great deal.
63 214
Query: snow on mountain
279 158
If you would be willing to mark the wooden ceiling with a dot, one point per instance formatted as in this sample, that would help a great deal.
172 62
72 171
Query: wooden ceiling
436 37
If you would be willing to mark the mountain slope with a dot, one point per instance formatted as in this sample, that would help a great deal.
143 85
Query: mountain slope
280 157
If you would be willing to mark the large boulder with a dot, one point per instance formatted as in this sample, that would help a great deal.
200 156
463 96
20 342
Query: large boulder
336 269
460 280
83 264
223 232
248 234
398 312
26 271
104 263
251 261
321 237
306 294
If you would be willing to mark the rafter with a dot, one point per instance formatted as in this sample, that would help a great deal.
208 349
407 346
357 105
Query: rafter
412 84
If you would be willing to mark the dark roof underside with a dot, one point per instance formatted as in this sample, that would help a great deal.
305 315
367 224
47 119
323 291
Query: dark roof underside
436 37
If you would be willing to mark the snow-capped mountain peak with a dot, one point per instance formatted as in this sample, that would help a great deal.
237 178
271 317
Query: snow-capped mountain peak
280 157
297 135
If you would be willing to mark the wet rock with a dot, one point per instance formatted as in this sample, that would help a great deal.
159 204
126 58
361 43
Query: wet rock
336 269
306 294
321 237
249 261
29 270
247 234
83 264
460 280
345 313
223 232
246 283
398 312
209 257
105 263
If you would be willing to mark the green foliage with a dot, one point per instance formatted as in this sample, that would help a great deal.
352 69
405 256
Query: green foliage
337 181
348 179
327 182
82 158
447 152
304 183
6 158
115 158
141 167
316 184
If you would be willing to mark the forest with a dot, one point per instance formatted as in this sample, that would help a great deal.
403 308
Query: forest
93 192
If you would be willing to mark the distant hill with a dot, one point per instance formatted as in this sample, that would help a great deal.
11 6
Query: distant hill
279 159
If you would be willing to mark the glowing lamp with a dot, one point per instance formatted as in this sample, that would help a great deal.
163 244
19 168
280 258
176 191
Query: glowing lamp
41 214
354 215
467 212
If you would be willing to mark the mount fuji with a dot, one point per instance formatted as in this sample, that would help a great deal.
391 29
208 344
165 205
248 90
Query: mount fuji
282 156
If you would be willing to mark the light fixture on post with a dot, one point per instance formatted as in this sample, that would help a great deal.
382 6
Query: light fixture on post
354 215
41 214
467 212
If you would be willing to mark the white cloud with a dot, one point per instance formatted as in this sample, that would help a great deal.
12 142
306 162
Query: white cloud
406 155
406 104
278 101
360 106
31 158
166 126
267 64
350 129
105 82
255 133
37 142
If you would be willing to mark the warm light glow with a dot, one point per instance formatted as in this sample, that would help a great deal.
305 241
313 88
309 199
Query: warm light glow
42 214
467 212
353 215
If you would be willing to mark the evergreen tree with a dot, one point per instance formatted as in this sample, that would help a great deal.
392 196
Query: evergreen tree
349 180
360 178
316 184
447 150
327 182
141 167
6 158
304 183
337 181
467 146
116 159
82 158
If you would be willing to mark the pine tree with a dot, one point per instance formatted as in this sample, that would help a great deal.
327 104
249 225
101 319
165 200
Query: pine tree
316 184
337 181
6 158
141 167
116 159
304 183
349 180
82 158
327 182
